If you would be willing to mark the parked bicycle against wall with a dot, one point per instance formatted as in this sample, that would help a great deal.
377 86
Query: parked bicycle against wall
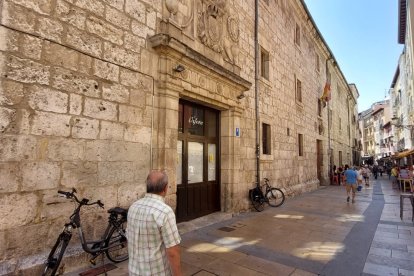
113 242
272 196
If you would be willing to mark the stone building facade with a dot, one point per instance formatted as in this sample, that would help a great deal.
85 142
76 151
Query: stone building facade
402 86
401 105
94 94
377 132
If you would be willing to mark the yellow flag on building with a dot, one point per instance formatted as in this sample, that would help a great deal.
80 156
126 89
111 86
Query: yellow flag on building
326 96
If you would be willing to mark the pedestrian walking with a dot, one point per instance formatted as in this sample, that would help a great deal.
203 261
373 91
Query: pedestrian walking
375 171
153 238
359 178
394 175
340 173
351 182
365 175
389 168
381 169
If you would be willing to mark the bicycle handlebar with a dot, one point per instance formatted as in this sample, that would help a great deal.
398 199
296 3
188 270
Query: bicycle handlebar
84 201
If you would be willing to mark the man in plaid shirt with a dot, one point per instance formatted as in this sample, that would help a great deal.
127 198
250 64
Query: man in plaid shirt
153 238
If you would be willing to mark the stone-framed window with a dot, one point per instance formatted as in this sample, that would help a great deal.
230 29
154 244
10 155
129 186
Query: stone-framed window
298 89
320 107
297 34
264 63
317 63
266 139
338 91
300 144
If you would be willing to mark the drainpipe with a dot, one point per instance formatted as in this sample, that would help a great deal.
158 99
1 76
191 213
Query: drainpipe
348 98
152 123
256 87
329 128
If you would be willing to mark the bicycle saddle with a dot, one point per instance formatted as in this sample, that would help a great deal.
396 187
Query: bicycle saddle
118 211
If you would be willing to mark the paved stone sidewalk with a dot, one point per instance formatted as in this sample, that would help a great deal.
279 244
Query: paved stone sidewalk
317 233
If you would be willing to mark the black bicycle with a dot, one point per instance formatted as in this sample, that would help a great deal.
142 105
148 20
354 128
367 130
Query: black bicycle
113 242
272 196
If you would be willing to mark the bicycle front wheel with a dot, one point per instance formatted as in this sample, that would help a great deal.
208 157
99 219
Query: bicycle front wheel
257 200
275 197
117 243
56 255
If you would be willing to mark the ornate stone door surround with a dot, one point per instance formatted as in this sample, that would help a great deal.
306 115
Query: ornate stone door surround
184 73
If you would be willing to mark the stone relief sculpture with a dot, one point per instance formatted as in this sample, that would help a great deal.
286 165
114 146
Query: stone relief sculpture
181 12
218 29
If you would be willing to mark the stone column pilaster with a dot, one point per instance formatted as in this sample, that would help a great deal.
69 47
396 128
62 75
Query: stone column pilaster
230 160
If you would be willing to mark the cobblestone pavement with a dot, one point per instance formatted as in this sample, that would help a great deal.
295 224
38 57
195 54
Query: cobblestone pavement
317 233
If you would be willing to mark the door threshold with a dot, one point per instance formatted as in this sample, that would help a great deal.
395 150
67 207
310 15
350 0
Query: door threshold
191 225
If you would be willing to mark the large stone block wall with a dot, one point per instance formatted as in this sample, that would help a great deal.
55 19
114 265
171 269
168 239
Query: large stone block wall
278 106
75 111
84 102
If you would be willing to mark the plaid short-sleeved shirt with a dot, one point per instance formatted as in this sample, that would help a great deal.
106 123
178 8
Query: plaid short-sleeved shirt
151 229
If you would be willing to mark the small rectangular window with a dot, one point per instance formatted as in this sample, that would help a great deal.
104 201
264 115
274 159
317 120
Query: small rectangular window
298 88
264 64
300 144
317 63
340 123
320 107
288 131
266 139
297 34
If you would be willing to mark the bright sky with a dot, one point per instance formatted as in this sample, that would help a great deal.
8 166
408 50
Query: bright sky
362 35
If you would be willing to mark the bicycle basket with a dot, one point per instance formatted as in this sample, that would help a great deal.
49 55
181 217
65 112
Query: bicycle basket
255 193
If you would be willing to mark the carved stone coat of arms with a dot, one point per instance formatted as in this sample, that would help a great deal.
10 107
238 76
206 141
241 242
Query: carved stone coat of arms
218 29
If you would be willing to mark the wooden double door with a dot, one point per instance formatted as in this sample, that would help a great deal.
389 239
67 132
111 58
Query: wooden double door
198 183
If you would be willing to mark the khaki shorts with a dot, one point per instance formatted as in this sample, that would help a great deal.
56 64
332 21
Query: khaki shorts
352 186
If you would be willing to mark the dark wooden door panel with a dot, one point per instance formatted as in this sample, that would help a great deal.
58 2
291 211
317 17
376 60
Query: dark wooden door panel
181 202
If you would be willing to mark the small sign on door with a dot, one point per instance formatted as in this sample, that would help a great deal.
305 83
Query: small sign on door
237 132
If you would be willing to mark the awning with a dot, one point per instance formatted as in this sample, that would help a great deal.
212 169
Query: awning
403 154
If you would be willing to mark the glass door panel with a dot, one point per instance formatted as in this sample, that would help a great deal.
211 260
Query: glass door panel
194 120
212 162
179 165
195 162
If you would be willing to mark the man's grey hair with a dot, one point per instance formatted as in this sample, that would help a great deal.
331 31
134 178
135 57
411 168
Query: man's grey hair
156 182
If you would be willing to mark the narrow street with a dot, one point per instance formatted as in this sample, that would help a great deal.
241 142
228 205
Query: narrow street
317 233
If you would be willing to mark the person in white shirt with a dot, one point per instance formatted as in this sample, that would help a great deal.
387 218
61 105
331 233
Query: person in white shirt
365 175
359 177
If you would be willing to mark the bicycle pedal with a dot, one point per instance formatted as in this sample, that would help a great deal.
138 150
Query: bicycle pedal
93 261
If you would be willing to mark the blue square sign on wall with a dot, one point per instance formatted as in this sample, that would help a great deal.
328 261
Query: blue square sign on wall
237 132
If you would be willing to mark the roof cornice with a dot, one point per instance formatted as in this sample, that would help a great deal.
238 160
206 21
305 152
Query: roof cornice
402 20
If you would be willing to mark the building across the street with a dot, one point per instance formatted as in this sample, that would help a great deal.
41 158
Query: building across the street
400 129
95 94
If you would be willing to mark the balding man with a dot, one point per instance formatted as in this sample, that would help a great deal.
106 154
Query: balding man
153 238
